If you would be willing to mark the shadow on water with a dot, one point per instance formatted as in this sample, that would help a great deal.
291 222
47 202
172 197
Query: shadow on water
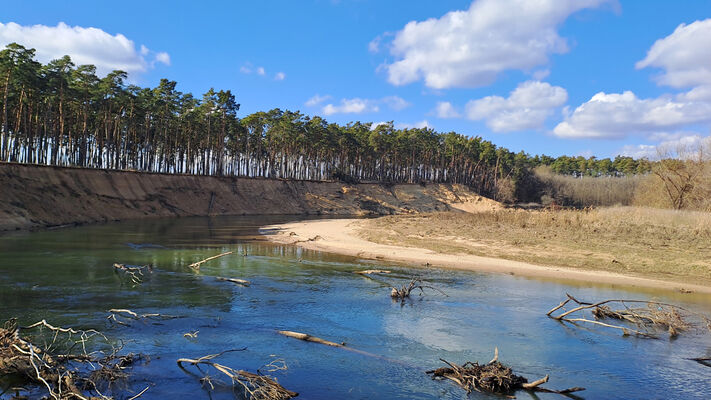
66 277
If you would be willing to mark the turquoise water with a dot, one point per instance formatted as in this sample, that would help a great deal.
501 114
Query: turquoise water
66 277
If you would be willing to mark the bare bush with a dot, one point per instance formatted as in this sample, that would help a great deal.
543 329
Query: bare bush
587 191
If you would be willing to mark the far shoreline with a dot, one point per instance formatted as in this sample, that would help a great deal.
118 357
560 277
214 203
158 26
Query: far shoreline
339 236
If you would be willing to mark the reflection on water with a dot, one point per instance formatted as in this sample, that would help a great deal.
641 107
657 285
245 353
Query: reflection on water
66 277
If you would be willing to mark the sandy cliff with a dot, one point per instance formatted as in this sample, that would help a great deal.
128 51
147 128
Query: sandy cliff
38 196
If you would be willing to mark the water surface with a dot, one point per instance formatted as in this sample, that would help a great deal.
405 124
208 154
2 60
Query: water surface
66 277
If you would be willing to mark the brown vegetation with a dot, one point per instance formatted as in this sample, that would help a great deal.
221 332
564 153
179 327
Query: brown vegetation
666 244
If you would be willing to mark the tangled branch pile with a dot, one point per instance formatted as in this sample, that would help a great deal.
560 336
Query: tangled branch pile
255 386
54 368
493 377
643 321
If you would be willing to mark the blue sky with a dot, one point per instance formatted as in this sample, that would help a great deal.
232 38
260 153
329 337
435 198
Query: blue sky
576 77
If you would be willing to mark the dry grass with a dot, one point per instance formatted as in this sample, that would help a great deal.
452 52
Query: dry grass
666 244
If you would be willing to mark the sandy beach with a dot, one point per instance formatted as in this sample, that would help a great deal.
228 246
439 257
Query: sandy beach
341 236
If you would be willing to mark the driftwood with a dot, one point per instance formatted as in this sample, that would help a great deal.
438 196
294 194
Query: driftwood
255 386
67 365
646 320
196 265
234 280
493 377
134 272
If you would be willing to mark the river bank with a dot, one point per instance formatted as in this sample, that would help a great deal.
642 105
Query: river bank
35 197
350 237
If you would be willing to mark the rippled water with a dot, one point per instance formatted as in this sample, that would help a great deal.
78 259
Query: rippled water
66 277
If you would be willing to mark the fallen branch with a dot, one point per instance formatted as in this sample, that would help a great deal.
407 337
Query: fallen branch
493 377
234 280
255 386
196 265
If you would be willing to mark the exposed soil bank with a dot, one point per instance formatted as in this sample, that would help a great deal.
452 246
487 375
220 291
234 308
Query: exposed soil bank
39 196
342 236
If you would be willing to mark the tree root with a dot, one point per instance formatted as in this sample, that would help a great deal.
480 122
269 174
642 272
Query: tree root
645 320
255 386
493 377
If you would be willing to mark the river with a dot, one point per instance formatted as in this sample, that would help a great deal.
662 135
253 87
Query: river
66 277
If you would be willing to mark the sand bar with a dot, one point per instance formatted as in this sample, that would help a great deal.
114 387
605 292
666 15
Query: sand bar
340 236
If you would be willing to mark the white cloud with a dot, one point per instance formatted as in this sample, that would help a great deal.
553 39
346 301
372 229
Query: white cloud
163 57
279 76
359 106
261 71
685 56
316 100
396 103
84 45
351 106
617 115
245 69
416 125
470 48
445 109
527 107
677 147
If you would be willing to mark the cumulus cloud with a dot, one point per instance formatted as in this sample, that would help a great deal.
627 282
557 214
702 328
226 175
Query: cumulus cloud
359 106
677 147
527 107
279 76
470 48
445 109
617 115
261 71
684 55
84 45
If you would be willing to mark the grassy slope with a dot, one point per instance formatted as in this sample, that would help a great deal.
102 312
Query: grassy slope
638 241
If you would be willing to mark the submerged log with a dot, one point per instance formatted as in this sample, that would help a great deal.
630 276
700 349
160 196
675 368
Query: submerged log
372 271
234 280
308 338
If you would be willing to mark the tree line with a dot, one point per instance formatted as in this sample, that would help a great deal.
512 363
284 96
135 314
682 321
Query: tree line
65 115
